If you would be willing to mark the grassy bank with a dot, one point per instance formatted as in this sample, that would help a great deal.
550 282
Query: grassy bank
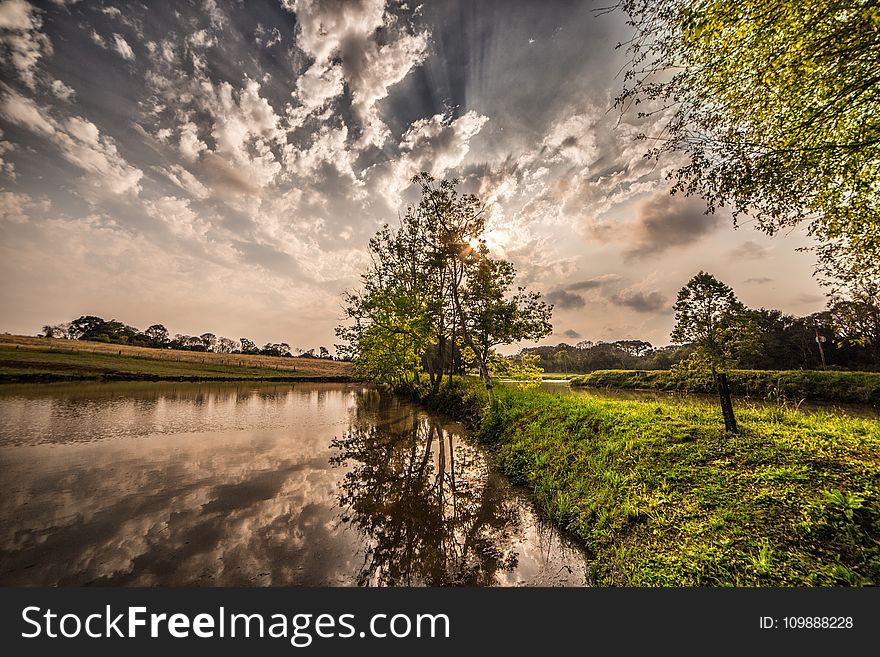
24 359
660 495
845 387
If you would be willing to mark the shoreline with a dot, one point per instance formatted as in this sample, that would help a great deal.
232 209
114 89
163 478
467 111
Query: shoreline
659 495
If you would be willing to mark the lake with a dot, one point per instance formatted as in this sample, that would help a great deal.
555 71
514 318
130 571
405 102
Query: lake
246 484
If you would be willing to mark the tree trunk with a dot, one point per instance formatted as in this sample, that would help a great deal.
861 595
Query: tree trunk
487 379
726 403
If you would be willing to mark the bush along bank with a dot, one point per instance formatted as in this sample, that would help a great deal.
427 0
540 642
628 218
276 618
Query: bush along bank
844 387
661 496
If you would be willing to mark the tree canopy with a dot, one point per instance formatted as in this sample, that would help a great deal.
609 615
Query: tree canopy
433 297
709 316
777 105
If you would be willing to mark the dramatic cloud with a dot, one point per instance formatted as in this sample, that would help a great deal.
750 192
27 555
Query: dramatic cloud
641 302
121 46
759 280
565 300
571 333
80 143
21 40
347 33
24 112
226 163
665 222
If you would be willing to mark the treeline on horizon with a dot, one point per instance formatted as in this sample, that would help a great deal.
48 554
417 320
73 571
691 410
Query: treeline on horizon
844 335
156 336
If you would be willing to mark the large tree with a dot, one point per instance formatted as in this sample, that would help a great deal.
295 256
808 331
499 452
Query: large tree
777 105
433 288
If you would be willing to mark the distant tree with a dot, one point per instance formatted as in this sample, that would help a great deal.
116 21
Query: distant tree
857 322
709 316
157 335
49 331
248 347
85 326
209 340
637 348
275 349
226 346
323 352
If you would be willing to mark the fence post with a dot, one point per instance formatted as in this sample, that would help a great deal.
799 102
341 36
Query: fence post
726 403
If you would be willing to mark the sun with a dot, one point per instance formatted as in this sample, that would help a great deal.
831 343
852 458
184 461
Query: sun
474 242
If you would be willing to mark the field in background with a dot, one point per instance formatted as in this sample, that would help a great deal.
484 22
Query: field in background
25 358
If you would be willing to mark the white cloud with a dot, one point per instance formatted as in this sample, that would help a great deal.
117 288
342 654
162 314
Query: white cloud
80 142
25 112
573 139
6 168
438 144
98 39
201 39
328 31
22 39
244 128
319 84
19 208
185 180
17 15
329 146
325 24
121 46
62 91
190 145
82 145
380 69
178 216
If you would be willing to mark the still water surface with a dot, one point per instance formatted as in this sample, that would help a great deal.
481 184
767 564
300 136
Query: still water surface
256 485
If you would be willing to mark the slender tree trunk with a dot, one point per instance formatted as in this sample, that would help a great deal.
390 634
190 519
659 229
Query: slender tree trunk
726 403
487 379
481 361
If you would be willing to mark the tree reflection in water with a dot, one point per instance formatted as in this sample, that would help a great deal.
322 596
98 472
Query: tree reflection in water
430 509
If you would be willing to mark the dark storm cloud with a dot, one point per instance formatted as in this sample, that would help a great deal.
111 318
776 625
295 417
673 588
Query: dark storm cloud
571 333
565 300
641 302
665 222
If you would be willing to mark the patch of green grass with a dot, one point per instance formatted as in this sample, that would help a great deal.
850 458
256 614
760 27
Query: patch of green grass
662 496
773 385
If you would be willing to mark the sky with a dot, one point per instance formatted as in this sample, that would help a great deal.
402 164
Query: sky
220 166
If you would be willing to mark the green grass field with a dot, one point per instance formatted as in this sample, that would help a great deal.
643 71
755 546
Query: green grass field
846 387
33 360
661 496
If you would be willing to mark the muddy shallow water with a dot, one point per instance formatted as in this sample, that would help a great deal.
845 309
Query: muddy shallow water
256 485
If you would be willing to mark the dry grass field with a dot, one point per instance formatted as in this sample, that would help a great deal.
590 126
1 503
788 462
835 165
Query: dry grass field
24 357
